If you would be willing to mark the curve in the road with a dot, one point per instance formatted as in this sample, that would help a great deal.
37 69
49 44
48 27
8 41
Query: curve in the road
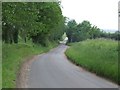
53 70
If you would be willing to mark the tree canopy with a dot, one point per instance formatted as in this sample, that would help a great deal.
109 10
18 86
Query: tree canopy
39 21
85 30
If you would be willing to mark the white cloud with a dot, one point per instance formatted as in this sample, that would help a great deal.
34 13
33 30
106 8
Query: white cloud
102 13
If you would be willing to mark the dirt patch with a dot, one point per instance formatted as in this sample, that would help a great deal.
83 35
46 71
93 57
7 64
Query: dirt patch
22 76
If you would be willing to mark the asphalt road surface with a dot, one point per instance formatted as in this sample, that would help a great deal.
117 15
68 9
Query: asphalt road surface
54 70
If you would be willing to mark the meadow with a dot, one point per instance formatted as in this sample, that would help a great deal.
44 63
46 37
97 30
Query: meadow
13 55
99 56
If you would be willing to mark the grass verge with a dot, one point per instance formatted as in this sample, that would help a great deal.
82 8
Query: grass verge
99 56
12 57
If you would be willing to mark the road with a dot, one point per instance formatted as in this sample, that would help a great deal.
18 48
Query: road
54 70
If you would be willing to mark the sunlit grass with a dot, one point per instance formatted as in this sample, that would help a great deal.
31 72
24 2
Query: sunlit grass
99 56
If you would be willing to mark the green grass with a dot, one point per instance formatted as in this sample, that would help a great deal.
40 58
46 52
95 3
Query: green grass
12 57
99 56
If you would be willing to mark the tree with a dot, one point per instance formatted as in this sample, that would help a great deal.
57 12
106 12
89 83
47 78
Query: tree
71 27
42 22
94 32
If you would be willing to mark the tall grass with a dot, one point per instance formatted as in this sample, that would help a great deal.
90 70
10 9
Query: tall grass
12 57
99 56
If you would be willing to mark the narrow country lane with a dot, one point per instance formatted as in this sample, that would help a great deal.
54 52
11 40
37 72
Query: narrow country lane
53 70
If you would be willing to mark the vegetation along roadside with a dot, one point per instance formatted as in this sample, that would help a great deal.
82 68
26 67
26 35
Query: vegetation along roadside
99 56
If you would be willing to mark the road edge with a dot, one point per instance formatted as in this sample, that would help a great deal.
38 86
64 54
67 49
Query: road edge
23 72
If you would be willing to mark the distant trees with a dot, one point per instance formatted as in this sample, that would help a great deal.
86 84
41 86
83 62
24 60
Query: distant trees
94 32
81 31
41 22
85 30
71 30
115 36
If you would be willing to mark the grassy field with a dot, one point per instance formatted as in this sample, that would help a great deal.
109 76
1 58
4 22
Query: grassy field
99 56
12 57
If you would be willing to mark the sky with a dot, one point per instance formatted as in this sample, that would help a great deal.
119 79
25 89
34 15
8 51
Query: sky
102 13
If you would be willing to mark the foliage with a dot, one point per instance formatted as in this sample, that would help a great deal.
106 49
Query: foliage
71 27
115 36
41 21
85 30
